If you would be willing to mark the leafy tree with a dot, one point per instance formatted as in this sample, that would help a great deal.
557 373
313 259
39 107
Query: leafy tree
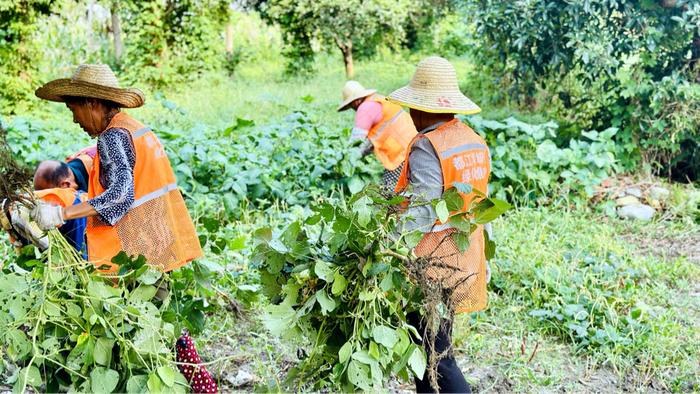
350 26
167 40
630 64
16 48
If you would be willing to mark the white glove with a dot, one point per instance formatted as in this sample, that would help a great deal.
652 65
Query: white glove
48 216
23 226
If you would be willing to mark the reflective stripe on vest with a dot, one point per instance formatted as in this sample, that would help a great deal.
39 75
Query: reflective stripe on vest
154 194
391 135
157 225
461 151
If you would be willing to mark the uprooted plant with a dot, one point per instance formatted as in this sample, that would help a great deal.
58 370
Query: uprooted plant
341 283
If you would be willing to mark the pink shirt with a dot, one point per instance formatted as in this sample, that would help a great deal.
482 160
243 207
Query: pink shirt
369 113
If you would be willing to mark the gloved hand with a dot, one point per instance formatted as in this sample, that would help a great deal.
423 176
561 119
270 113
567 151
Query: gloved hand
48 216
25 229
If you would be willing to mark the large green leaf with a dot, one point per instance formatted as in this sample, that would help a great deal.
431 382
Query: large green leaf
167 375
358 375
103 351
137 384
489 209
327 303
417 361
324 271
385 336
103 380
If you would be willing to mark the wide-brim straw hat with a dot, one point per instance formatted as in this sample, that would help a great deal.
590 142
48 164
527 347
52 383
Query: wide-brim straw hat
434 88
91 81
352 91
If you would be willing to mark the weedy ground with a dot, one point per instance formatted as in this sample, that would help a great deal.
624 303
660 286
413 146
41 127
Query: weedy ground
579 301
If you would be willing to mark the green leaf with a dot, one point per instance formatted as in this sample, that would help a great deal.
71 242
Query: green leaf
327 304
362 208
442 212
363 356
154 383
324 271
167 375
417 361
413 238
345 352
339 283
386 336
101 291
238 243
103 380
30 376
150 276
490 246
462 240
358 375
489 209
52 309
137 384
355 185
142 294
453 200
103 351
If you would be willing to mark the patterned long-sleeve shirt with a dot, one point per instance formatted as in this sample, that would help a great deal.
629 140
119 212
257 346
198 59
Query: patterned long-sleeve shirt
117 160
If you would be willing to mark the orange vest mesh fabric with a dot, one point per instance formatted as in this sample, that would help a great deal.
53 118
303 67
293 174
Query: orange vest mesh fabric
464 158
158 225
392 135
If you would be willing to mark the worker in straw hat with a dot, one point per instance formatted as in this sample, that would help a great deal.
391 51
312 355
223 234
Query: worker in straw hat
445 151
133 201
386 127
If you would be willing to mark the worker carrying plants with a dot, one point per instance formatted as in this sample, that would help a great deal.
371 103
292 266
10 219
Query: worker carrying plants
445 152
387 128
133 203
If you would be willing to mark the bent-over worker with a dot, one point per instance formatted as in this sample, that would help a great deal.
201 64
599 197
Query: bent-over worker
386 126
133 203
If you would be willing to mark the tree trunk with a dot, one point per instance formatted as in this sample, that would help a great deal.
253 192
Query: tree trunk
117 32
229 38
347 58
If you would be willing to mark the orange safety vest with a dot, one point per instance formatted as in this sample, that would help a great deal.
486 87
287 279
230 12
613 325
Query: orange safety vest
392 135
464 158
158 225
64 197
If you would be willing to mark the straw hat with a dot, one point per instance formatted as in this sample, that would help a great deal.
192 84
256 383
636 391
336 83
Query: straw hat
434 89
352 91
91 81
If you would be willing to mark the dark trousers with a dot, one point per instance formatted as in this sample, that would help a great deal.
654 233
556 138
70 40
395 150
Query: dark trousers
450 378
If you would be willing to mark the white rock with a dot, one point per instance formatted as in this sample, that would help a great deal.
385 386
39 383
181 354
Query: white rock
634 191
636 212
659 193
242 378
627 200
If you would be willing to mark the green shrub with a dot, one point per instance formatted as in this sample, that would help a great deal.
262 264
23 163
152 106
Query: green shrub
529 167
596 64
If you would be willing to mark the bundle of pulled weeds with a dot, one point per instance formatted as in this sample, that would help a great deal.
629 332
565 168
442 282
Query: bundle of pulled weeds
343 280
16 176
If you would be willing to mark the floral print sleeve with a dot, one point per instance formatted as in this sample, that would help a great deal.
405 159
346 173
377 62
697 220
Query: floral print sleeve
117 159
